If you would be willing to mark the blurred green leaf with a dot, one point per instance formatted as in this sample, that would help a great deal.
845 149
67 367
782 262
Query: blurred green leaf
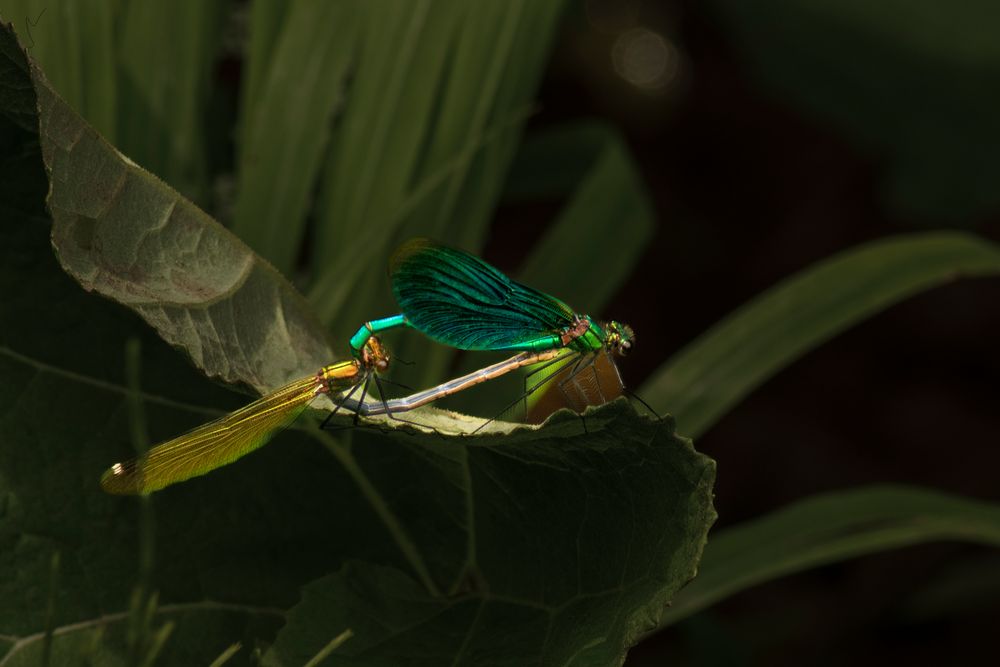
969 585
914 82
404 56
74 43
703 381
287 125
827 529
226 655
265 20
194 630
166 54
138 71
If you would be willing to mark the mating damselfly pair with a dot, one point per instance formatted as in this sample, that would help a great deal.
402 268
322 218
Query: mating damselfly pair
450 296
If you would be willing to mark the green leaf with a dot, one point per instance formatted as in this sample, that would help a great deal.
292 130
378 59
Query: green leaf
388 120
830 528
74 42
128 236
266 19
969 584
707 378
287 125
166 52
373 174
913 82
137 71
631 506
194 632
451 517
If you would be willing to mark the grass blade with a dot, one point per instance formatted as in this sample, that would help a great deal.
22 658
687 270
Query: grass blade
165 57
704 380
287 130
73 41
266 19
827 529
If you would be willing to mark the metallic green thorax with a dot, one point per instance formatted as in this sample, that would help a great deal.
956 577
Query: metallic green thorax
460 300
591 341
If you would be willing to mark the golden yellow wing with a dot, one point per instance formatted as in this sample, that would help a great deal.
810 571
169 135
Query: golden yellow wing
214 444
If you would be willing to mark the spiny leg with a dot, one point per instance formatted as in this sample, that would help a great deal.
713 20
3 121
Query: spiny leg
364 392
585 363
337 405
530 390
564 360
571 377
392 415
526 391
636 396
404 387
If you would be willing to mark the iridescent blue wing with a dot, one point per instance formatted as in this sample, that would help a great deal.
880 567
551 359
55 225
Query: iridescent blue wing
460 300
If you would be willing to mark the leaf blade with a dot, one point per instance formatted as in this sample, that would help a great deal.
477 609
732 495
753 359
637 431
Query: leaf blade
287 128
830 528
124 233
164 58
633 489
714 372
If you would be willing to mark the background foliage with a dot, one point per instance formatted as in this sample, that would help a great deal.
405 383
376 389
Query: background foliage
357 125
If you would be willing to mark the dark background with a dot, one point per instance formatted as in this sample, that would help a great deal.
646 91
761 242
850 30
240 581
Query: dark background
785 136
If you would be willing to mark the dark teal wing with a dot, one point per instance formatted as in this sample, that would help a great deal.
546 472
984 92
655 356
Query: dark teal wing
460 300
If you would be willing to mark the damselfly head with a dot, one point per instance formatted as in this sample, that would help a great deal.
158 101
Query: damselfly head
620 338
375 356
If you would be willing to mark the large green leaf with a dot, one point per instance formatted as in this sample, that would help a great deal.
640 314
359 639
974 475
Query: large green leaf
707 378
830 528
125 234
590 526
560 536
